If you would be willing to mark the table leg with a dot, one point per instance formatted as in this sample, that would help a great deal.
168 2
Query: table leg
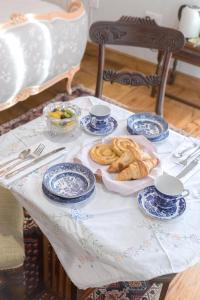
74 292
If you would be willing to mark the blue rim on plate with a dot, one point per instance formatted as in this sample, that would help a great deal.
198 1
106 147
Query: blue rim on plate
152 126
68 180
147 202
158 139
85 124
67 200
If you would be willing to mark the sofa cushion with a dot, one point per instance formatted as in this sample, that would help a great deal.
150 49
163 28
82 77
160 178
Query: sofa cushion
11 231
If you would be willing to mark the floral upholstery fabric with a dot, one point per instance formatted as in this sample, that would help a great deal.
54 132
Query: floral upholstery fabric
37 51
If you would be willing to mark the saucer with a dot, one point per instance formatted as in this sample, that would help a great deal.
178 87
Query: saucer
152 126
85 124
147 203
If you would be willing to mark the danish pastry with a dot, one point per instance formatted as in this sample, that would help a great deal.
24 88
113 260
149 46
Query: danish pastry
122 162
137 170
103 154
120 145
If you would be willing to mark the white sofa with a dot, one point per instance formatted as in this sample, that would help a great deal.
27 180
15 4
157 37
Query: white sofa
40 44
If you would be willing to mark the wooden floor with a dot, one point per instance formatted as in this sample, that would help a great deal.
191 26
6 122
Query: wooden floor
136 98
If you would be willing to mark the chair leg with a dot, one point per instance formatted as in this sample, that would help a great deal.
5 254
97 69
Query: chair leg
16 283
3 287
164 290
70 77
159 61
172 73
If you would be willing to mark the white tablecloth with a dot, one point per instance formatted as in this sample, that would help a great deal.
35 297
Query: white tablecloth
109 239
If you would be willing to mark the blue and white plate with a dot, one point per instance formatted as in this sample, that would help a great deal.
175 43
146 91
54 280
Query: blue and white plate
152 126
69 180
147 201
85 124
67 200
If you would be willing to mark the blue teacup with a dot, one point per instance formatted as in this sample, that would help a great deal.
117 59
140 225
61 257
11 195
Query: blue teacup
99 116
169 190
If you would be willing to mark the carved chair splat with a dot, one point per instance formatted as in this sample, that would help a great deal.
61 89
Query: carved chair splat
137 32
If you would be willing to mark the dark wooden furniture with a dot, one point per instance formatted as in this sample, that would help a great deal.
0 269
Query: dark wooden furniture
188 54
136 32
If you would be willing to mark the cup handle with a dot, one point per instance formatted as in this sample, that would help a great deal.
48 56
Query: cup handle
185 193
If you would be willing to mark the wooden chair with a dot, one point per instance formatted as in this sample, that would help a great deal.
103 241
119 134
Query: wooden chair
185 285
138 32
11 248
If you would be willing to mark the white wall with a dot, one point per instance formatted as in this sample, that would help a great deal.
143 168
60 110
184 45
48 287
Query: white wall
114 9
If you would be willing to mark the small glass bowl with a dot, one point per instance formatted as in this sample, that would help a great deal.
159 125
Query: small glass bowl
64 125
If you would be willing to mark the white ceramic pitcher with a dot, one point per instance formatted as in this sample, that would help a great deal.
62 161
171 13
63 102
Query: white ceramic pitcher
189 20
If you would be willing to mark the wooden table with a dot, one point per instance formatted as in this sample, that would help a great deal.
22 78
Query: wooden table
188 54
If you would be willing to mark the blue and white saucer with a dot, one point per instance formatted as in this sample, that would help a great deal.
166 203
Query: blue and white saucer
68 180
67 200
147 201
85 124
152 126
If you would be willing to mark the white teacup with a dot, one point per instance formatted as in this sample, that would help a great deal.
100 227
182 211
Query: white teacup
169 189
99 116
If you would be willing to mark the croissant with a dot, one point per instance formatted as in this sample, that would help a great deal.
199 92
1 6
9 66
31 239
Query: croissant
138 153
137 170
122 162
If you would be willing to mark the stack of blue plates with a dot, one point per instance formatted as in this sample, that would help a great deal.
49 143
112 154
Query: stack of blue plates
68 183
152 126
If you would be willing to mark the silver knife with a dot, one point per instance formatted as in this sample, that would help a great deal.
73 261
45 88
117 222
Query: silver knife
189 167
34 162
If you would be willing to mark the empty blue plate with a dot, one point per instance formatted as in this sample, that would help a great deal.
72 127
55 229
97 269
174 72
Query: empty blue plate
152 126
67 200
68 180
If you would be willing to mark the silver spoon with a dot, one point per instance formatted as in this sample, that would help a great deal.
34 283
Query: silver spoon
36 153
22 155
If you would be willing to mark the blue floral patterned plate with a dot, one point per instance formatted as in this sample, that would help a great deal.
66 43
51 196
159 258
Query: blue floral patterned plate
147 201
67 200
152 126
69 180
85 124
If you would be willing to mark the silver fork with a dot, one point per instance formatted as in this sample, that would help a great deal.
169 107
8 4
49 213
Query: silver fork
36 153
185 161
181 153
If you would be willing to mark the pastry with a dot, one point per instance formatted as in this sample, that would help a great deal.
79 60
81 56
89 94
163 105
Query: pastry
138 153
120 145
137 170
103 154
122 162
129 156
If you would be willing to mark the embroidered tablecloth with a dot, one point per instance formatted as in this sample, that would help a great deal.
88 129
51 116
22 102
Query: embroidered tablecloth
108 239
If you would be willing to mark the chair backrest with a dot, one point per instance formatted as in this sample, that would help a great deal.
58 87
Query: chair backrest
138 32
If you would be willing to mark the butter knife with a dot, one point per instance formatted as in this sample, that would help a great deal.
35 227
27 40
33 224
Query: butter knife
189 167
11 174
